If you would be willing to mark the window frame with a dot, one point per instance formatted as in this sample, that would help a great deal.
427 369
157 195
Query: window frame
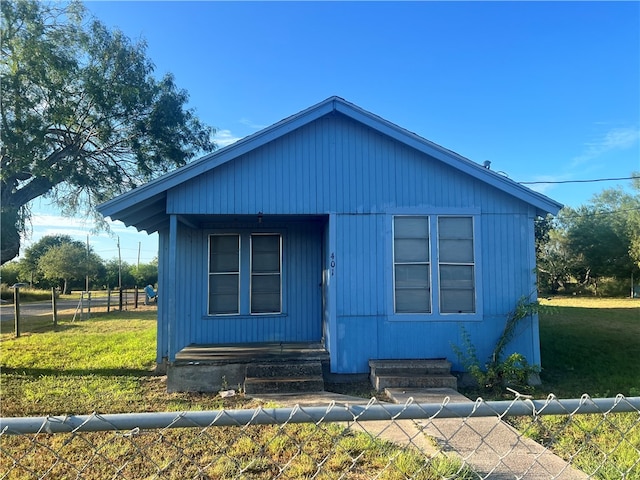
472 264
434 272
210 274
428 263
244 272
252 274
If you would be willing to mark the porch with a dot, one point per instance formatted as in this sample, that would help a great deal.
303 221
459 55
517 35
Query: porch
252 353
252 367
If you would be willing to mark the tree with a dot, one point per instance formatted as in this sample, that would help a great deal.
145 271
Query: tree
29 269
82 116
70 261
10 273
600 233
145 273
554 261
116 270
600 239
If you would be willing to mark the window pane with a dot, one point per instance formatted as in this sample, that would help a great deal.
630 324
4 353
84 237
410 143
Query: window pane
224 253
455 251
223 294
455 239
413 301
265 254
265 294
412 292
411 227
455 227
412 276
456 276
411 250
457 301
457 292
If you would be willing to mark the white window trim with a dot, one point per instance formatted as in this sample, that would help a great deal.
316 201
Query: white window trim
429 263
244 273
209 274
439 264
251 274
435 314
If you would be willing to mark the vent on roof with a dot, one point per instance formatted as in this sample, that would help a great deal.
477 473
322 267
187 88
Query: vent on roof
487 164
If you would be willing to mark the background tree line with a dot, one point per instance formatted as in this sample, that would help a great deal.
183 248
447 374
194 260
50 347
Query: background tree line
61 262
593 248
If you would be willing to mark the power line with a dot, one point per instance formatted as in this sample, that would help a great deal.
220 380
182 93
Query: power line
581 181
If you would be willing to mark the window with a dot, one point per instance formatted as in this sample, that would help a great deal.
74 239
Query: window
266 273
411 267
456 265
224 274
450 275
245 273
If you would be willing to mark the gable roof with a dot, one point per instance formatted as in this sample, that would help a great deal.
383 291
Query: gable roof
145 207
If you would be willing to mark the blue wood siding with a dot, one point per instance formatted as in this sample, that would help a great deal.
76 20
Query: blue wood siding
336 166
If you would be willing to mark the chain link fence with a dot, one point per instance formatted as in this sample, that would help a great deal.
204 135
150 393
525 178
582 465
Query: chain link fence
523 438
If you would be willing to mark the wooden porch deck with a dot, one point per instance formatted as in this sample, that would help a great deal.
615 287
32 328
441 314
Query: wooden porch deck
251 353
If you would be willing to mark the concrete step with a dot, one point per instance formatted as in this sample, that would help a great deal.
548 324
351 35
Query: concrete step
253 386
290 369
278 377
412 373
380 382
438 366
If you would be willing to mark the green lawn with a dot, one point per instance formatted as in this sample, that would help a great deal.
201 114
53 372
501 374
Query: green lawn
105 364
590 345
101 365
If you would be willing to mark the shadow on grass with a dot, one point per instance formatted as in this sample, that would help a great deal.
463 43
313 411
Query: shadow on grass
36 326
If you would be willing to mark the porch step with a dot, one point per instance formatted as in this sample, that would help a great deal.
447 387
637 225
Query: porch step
275 377
432 373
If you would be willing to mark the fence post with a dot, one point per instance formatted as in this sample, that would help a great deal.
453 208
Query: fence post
135 293
54 306
16 308
89 305
108 299
120 297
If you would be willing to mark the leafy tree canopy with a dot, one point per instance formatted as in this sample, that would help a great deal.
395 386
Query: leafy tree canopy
82 116
70 261
599 239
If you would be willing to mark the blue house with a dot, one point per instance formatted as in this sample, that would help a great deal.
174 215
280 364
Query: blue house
338 229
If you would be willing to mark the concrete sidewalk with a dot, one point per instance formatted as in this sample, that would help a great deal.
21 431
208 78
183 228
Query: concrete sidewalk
492 448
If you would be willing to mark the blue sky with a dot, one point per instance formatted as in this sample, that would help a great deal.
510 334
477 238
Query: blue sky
547 91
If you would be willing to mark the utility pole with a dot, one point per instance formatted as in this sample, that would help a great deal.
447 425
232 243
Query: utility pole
87 268
119 275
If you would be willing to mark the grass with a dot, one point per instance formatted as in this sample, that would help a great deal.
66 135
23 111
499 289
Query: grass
590 345
27 294
105 365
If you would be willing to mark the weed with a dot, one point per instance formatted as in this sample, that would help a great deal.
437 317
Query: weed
499 371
